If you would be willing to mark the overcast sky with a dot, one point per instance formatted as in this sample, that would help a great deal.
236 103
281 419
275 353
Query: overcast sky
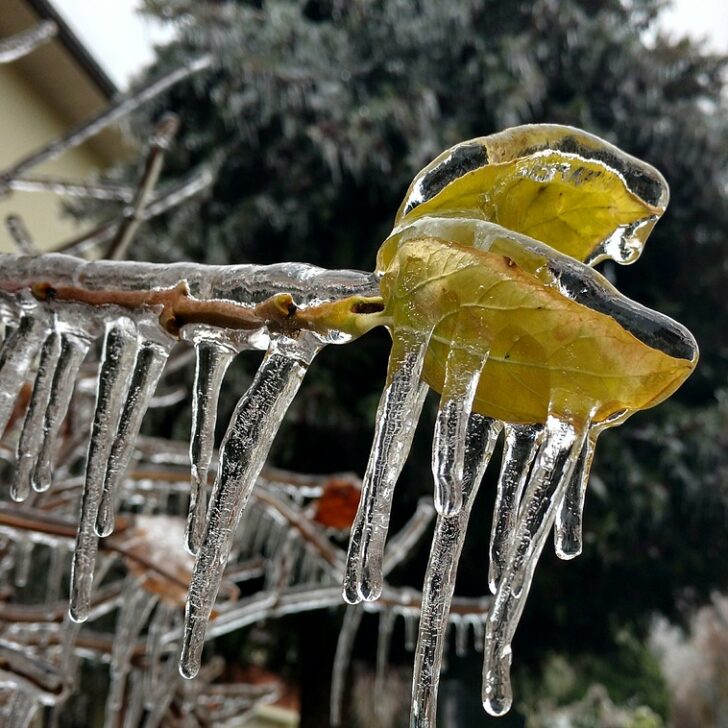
123 42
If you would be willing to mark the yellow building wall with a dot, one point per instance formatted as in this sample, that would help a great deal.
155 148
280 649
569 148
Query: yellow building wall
27 122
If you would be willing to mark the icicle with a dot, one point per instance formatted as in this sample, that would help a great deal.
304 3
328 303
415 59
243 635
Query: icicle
399 409
568 530
519 449
342 660
116 362
462 373
56 569
439 585
478 634
410 630
73 351
148 367
133 615
244 449
384 640
31 436
549 479
461 635
23 561
16 356
213 359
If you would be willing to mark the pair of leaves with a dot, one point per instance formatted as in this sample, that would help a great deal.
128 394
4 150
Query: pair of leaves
490 261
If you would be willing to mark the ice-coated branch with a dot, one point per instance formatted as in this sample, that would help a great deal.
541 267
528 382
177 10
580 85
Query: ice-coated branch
118 110
20 235
72 188
133 217
165 199
20 44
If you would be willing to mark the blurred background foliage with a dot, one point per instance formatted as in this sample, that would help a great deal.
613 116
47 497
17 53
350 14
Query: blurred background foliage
316 117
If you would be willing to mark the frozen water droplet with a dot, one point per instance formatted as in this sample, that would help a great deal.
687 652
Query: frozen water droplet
244 449
399 409
31 436
410 630
439 584
117 360
148 367
213 360
569 517
519 449
548 481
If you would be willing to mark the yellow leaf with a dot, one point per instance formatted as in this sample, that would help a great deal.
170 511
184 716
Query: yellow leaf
558 338
567 188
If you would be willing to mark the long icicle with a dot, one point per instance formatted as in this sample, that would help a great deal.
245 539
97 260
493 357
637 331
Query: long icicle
117 359
520 446
31 436
73 352
439 585
549 479
568 539
244 449
397 414
148 367
213 360
16 356
342 660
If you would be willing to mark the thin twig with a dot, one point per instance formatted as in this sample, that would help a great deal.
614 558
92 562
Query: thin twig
20 235
124 106
20 44
133 217
72 188
164 200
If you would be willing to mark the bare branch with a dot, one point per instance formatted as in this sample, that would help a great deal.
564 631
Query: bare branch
20 44
163 135
72 188
165 200
20 235
124 106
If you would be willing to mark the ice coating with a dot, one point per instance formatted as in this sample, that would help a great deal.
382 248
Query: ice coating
570 189
485 307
